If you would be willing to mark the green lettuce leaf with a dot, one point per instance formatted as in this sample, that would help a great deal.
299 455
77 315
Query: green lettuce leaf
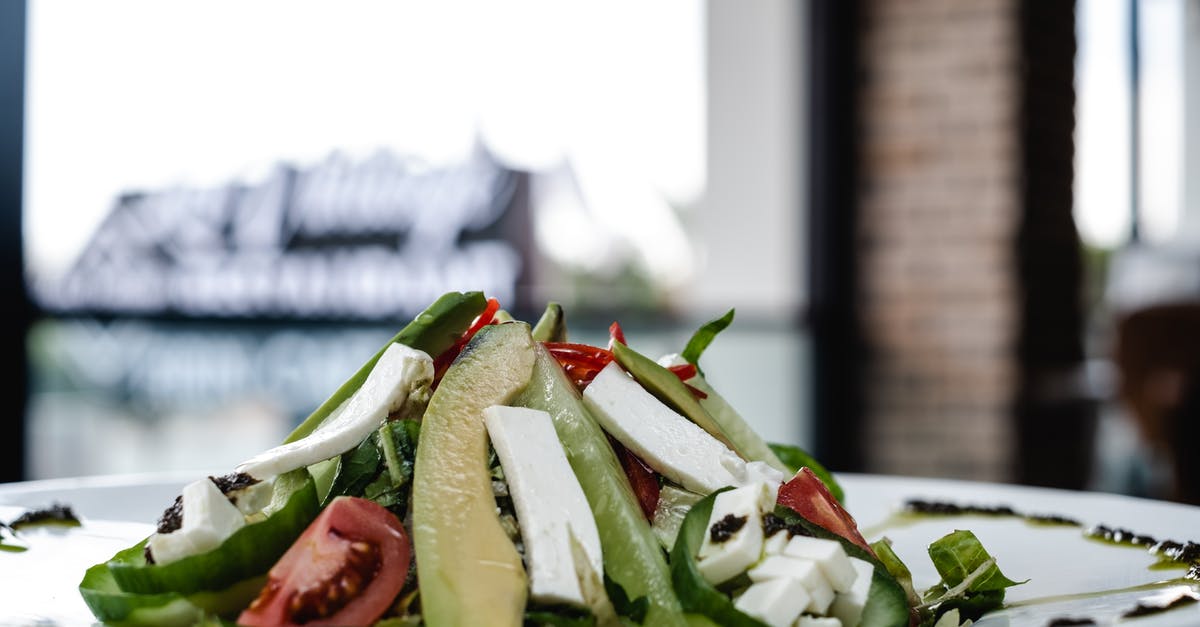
703 337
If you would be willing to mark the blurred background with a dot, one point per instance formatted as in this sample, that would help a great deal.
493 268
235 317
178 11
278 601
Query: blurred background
961 238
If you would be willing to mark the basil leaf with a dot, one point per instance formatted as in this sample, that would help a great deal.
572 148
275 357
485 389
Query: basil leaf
896 568
356 469
703 337
971 581
796 458
957 555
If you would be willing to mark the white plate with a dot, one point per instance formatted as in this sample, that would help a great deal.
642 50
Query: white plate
39 585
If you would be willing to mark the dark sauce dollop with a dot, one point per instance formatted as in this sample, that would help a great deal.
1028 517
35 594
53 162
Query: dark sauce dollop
944 508
57 514
724 529
1145 609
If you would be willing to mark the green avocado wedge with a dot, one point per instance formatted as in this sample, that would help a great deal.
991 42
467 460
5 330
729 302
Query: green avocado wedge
632 555
469 571
432 331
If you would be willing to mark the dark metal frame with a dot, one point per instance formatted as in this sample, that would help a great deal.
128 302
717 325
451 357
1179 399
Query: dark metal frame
833 35
15 315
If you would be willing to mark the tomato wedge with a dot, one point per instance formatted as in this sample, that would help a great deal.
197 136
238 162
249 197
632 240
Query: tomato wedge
345 569
806 495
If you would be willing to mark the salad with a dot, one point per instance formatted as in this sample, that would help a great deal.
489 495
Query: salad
479 470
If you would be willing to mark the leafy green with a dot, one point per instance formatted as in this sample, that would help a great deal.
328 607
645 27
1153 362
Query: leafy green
796 458
893 564
971 581
703 337
380 468
356 469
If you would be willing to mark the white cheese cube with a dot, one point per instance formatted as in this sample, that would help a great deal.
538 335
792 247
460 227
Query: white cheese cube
776 542
550 505
777 602
818 621
829 556
741 508
208 518
400 377
669 443
848 606
802 570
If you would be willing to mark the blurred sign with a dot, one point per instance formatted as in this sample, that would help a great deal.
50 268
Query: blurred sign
368 240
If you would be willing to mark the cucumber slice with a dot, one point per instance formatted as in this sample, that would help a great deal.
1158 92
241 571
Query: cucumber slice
248 553
667 387
433 331
111 605
632 556
552 326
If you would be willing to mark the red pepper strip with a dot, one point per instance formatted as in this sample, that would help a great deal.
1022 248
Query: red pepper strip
581 362
642 479
615 334
685 372
443 361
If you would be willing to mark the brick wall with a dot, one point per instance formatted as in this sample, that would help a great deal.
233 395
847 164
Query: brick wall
939 210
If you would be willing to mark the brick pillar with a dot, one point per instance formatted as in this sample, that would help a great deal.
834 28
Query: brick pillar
939 210
969 262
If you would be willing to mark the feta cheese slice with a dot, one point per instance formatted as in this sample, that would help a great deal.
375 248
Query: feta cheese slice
552 511
829 556
805 571
776 602
208 519
848 606
738 514
400 374
671 444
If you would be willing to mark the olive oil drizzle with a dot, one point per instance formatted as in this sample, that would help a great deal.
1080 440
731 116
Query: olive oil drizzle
1171 554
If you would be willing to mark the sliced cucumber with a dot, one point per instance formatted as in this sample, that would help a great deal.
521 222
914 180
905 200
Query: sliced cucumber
112 605
632 556
667 387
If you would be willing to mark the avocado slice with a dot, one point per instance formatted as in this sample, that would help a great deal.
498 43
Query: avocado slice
552 326
469 571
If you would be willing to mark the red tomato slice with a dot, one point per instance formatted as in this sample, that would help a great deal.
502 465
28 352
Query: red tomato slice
807 496
345 569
